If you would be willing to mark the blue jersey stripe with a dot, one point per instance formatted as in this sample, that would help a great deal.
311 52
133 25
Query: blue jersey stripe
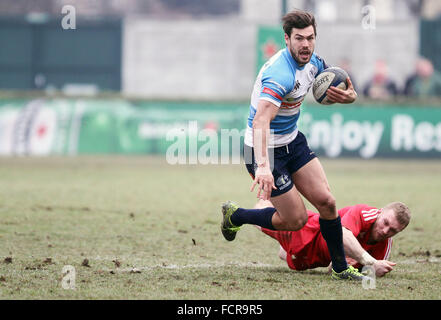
280 124
284 124
251 116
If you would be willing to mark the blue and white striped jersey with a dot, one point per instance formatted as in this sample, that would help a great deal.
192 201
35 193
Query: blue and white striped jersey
284 83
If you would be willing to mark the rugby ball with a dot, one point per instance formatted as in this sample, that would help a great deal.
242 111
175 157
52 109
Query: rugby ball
330 77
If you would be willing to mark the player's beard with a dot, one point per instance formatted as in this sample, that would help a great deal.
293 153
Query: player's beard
302 57
375 236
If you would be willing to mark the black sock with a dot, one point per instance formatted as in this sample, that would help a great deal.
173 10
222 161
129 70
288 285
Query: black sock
333 234
260 217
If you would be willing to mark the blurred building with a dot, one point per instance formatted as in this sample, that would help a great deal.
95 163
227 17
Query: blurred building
157 8
198 49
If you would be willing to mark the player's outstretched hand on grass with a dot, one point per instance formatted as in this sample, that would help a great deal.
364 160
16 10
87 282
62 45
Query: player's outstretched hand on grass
382 267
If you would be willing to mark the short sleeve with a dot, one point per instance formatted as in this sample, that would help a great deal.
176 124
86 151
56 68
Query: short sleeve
276 85
359 218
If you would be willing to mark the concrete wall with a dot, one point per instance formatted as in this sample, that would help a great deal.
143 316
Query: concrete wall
216 59
396 43
190 59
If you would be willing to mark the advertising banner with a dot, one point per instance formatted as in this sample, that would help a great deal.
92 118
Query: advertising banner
208 132
373 131
270 39
77 126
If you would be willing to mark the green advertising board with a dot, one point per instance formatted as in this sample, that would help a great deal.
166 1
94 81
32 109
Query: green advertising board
270 39
109 126
78 126
373 131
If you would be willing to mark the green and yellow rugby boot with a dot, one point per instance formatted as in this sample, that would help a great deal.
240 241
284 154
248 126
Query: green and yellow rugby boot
228 229
349 274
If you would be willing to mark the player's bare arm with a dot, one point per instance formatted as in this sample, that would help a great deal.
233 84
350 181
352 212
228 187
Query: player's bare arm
354 250
342 96
266 111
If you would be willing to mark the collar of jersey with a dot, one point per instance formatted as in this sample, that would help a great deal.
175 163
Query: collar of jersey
292 61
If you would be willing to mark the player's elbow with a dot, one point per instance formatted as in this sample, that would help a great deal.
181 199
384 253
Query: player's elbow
260 122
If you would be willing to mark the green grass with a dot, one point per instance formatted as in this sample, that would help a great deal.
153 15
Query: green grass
151 231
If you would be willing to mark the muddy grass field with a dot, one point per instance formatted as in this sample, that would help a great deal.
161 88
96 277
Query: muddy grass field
138 228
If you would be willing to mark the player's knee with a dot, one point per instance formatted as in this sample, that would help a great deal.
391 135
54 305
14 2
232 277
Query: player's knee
291 220
302 221
327 203
327 207
298 223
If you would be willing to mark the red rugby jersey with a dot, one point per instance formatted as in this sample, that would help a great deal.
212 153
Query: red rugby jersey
306 248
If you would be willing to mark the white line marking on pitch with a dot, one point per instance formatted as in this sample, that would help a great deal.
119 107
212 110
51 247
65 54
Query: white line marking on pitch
195 266
241 265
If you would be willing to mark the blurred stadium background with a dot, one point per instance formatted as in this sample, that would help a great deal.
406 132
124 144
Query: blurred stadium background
131 70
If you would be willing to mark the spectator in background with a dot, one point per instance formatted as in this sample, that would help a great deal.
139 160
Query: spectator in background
380 87
345 64
425 82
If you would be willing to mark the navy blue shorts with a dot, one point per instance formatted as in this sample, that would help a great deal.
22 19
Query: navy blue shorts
287 160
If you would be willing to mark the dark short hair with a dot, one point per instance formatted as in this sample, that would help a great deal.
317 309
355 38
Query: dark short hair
298 19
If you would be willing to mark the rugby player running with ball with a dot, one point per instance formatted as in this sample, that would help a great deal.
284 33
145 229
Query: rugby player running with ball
279 90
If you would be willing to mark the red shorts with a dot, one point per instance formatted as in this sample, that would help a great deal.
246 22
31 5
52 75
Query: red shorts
306 247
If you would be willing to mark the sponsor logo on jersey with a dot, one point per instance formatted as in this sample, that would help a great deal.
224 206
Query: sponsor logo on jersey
313 71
